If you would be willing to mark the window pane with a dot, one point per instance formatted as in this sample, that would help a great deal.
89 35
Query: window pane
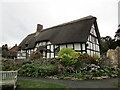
70 46
52 55
62 46
77 46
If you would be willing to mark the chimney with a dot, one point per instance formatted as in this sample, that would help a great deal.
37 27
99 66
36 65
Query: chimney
39 27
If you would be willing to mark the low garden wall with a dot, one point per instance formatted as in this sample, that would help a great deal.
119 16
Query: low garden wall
113 57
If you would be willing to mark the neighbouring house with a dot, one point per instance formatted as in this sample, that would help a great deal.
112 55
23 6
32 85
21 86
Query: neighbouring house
12 53
81 35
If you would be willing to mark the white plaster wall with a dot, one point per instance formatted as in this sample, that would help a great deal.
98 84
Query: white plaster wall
83 46
43 53
97 48
91 47
52 49
88 52
93 32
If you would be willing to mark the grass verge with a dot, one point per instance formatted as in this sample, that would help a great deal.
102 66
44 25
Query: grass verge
22 83
117 84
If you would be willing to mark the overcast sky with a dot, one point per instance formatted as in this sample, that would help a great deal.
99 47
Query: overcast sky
18 18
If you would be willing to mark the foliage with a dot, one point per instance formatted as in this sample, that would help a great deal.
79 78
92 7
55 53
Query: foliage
108 43
5 51
90 72
85 60
8 65
117 84
37 70
36 55
11 64
96 57
68 56
117 36
84 68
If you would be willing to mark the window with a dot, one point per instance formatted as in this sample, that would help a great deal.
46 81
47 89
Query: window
37 45
52 55
70 46
62 46
48 55
43 43
48 42
77 46
57 49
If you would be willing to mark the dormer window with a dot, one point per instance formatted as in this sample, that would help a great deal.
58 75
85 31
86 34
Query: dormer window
26 45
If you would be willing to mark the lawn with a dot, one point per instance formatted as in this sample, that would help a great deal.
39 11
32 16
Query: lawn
22 83
117 84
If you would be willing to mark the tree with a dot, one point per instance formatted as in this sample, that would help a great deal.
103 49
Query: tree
117 36
5 51
107 43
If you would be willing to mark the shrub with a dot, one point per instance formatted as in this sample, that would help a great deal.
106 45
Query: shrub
36 55
68 56
37 70
47 70
96 57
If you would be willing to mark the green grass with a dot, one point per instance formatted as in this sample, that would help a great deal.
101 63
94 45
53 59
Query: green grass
117 84
23 83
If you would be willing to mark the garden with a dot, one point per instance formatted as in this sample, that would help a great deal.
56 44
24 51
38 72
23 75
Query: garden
68 65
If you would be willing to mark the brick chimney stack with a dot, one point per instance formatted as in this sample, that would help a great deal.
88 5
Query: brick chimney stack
39 27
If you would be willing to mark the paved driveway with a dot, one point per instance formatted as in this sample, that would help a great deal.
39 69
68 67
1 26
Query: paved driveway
105 83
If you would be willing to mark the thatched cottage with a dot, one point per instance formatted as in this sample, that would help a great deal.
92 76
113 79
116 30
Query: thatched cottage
82 35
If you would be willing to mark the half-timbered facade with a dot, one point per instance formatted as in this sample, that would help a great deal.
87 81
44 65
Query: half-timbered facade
81 35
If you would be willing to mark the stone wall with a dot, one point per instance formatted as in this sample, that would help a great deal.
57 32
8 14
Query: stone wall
114 57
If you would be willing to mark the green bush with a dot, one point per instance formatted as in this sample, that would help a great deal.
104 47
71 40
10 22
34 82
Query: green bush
68 56
36 70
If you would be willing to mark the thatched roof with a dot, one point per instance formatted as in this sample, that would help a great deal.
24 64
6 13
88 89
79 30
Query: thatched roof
74 31
28 42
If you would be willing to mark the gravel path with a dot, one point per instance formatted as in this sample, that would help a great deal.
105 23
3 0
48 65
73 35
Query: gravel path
105 83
